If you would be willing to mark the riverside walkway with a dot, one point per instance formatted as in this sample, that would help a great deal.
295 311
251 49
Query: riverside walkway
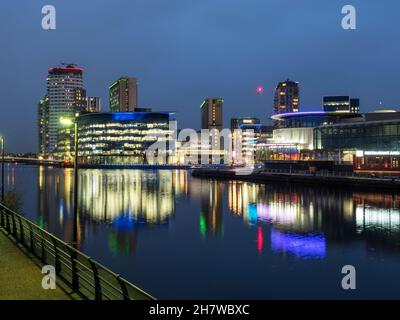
337 179
21 277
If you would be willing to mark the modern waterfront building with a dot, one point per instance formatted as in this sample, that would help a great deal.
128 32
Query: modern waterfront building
293 139
63 83
314 118
93 104
123 138
340 104
287 95
211 113
123 95
237 123
43 125
373 144
370 141
245 131
80 101
197 149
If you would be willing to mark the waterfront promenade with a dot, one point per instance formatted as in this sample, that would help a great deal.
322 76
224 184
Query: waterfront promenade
336 179
21 277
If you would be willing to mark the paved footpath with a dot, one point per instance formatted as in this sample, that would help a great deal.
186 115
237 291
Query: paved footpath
20 277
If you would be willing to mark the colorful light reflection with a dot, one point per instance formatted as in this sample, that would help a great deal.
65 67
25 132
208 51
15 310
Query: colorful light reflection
310 246
260 240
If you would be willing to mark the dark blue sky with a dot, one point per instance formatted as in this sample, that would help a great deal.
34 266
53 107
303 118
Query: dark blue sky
184 50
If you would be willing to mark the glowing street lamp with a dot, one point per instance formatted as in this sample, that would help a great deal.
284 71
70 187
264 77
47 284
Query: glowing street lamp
68 122
2 168
2 176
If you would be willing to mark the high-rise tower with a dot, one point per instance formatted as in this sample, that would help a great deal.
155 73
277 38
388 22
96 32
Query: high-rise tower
123 95
63 83
286 97
211 113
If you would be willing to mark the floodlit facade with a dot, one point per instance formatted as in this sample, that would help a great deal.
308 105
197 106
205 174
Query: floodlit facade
211 113
340 104
93 104
202 149
123 95
63 83
287 97
121 138
245 131
43 126
294 137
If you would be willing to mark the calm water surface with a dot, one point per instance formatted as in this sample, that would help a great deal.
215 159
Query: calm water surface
180 237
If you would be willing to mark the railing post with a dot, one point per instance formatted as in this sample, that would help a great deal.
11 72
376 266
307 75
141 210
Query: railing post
56 256
14 229
97 285
21 232
123 288
2 213
31 239
74 270
43 257
8 227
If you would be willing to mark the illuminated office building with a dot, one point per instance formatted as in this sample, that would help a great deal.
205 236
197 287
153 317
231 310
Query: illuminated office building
93 104
211 113
80 101
43 125
123 138
64 83
123 95
341 104
245 131
286 97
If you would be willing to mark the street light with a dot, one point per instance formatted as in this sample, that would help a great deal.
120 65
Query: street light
2 177
67 122
2 168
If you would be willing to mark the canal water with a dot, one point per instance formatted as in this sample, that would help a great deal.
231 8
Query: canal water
178 237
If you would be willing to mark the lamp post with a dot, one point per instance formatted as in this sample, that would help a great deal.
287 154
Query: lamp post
69 122
74 268
2 168
2 179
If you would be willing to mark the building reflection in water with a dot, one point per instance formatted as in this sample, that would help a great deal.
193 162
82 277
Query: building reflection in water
287 219
129 197
378 219
308 246
125 200
304 220
211 213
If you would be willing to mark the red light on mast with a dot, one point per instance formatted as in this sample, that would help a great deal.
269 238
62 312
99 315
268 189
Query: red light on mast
260 89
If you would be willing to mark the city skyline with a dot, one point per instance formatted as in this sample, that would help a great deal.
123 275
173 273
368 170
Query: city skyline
161 55
232 151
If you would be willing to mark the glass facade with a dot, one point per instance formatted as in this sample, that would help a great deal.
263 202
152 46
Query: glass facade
121 138
379 135
312 118
341 103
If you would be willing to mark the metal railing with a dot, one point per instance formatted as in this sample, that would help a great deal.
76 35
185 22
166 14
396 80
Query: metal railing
85 276
326 173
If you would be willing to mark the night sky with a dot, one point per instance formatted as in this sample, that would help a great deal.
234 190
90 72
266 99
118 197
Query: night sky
184 50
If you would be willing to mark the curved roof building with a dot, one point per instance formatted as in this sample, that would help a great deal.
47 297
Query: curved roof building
314 118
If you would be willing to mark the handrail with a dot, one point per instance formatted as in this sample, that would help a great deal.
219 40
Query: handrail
71 265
